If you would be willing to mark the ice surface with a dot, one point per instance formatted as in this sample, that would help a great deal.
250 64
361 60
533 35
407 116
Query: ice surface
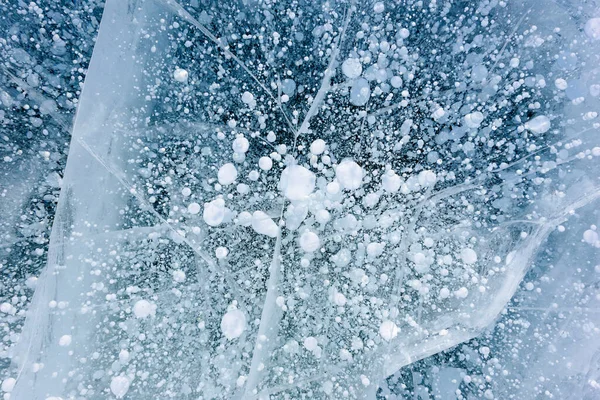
394 218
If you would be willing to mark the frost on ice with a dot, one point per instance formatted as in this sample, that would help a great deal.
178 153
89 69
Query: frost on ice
304 200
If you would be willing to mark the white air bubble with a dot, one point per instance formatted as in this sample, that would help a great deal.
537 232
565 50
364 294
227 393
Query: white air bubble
297 182
144 309
349 174
214 212
352 68
119 386
310 242
264 225
592 28
265 163
317 147
538 125
227 174
388 330
360 92
180 75
233 324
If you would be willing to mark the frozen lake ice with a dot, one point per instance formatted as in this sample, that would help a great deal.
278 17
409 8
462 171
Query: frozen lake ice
323 200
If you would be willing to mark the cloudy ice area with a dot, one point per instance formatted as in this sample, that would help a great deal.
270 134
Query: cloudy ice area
283 199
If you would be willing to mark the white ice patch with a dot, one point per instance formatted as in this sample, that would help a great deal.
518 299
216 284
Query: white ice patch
264 225
214 212
396 82
244 218
7 308
539 124
349 174
288 86
297 182
342 258
124 356
333 188
479 73
227 174
233 324
371 200
444 293
294 215
322 216
119 386
439 113
144 309
375 249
